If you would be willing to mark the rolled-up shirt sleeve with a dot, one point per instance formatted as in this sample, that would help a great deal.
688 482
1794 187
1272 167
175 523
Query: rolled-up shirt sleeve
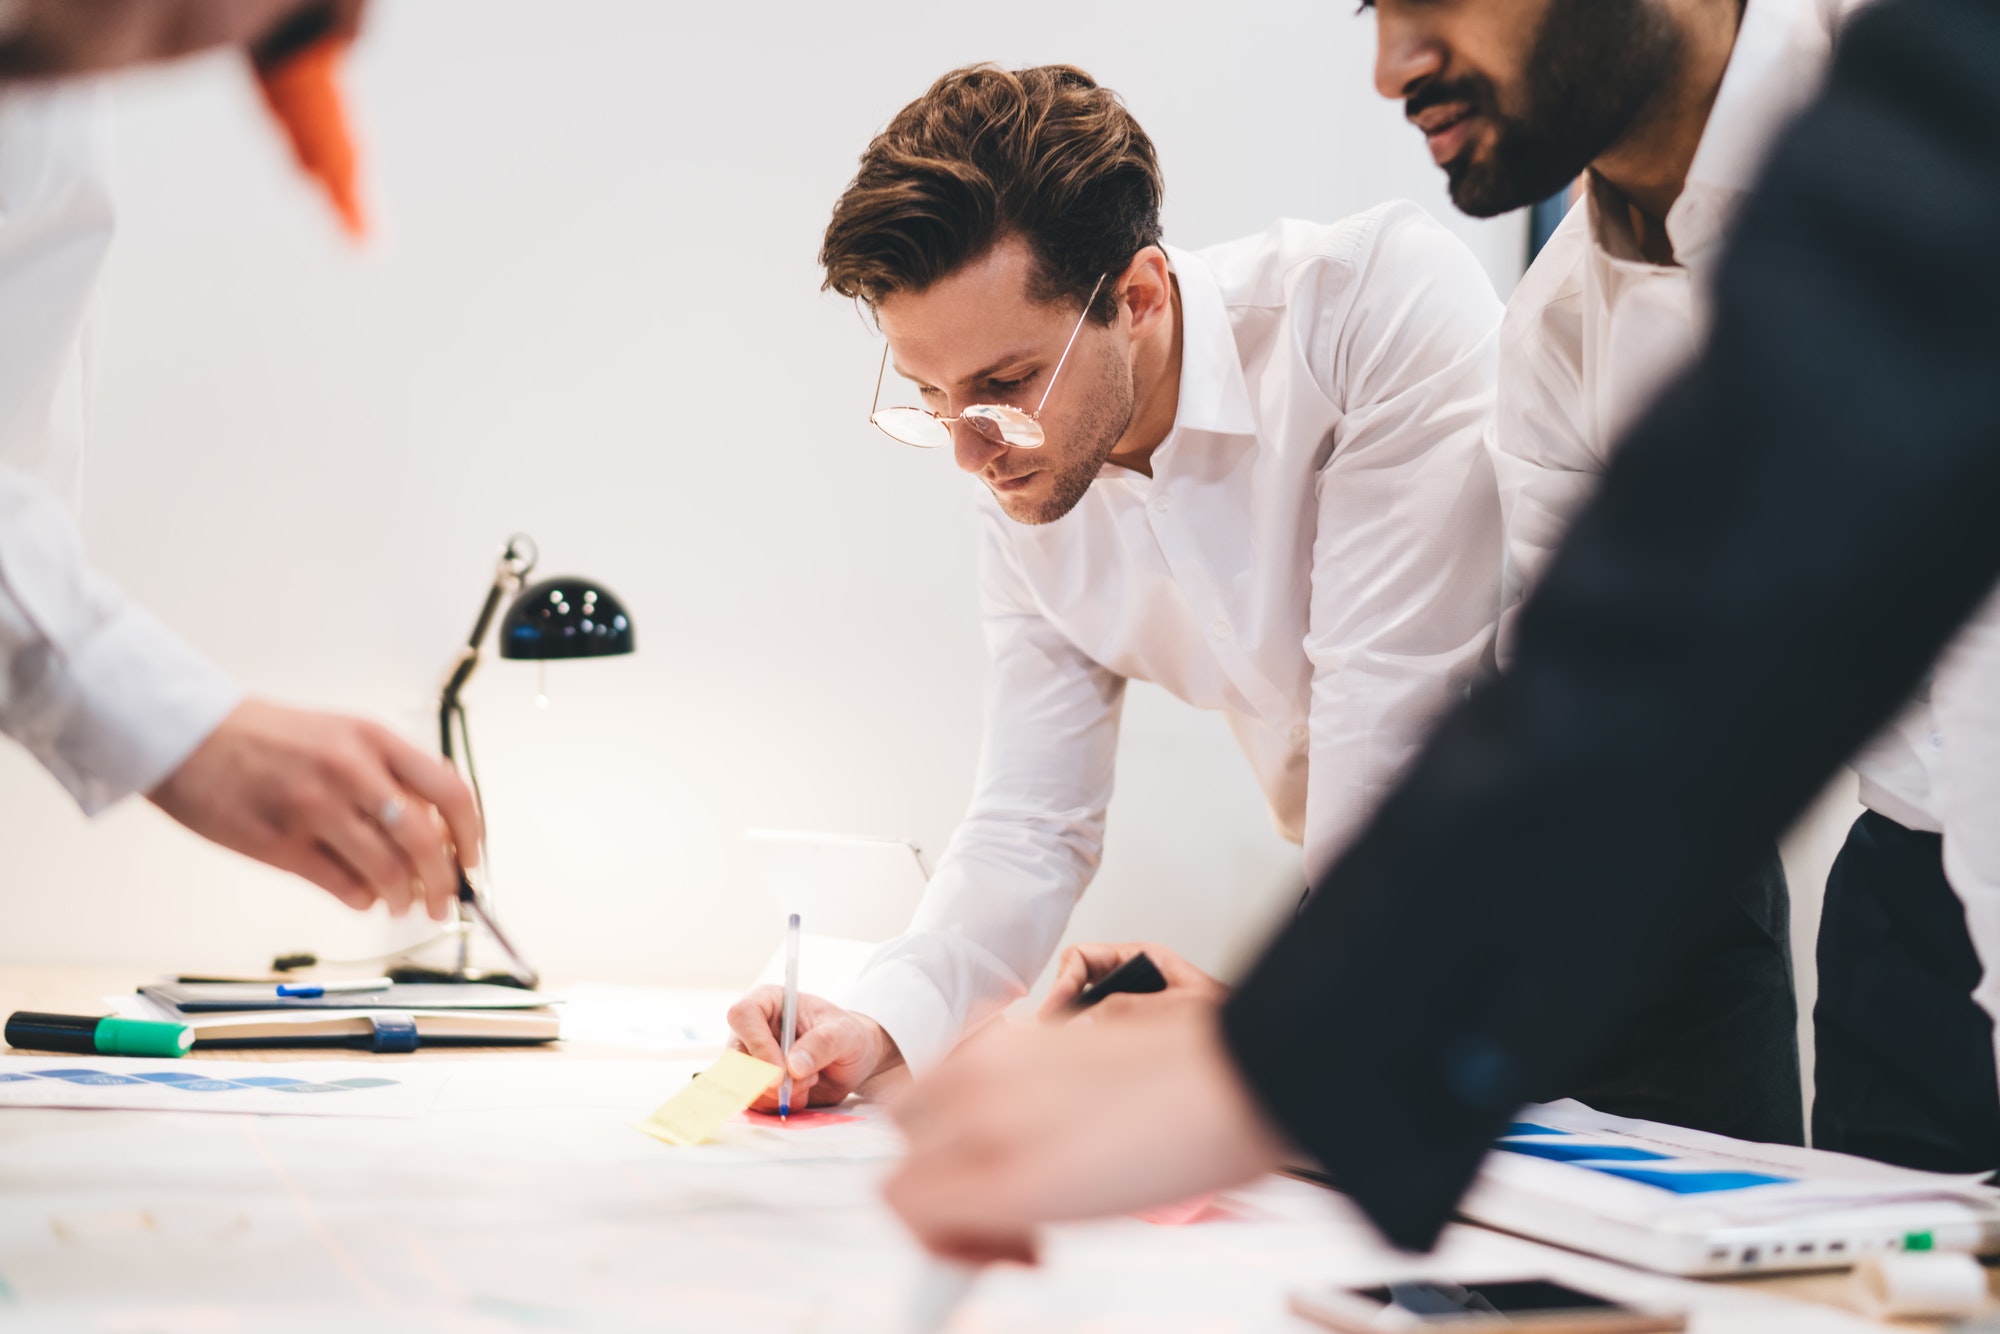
107 698
1028 846
1407 549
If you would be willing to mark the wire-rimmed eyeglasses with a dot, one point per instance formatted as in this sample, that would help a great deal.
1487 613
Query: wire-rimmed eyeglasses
999 422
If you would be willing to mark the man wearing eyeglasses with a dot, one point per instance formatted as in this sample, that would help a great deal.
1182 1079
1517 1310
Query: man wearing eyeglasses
1253 475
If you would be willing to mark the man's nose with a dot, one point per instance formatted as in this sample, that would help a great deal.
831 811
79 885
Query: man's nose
1406 54
971 450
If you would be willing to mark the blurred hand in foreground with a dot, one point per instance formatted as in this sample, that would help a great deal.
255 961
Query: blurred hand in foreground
1082 965
1029 1125
344 803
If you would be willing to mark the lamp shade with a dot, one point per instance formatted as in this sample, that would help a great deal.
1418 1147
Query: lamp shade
566 617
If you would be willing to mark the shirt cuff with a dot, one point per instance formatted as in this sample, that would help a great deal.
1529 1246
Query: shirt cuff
903 999
141 700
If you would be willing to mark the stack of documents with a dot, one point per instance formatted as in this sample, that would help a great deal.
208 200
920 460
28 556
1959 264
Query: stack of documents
399 1018
1687 1202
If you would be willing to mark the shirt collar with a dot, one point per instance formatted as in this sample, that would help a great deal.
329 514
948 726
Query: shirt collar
1214 396
1781 52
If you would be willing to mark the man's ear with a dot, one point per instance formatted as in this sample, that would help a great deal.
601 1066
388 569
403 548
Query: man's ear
1146 291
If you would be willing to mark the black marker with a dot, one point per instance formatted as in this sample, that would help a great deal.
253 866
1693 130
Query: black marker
1137 976
110 1036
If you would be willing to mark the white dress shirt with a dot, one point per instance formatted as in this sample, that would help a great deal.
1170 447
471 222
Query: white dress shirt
1316 557
1594 330
101 693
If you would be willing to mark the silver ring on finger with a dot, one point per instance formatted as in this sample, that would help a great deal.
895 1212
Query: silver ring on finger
390 813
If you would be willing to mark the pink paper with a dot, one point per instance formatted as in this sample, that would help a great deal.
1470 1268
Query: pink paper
797 1120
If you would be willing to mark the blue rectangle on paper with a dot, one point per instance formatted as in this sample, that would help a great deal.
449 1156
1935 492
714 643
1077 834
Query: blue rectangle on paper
1693 1183
1530 1128
86 1077
1583 1153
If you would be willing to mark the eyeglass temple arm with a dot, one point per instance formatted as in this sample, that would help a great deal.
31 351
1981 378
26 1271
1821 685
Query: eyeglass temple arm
880 371
1050 387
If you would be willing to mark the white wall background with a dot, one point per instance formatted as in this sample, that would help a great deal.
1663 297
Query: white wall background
590 312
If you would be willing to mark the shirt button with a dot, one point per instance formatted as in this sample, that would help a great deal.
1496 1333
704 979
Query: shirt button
1219 630
1161 504
1937 741
1299 733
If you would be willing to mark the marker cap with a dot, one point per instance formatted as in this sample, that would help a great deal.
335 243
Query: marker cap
143 1037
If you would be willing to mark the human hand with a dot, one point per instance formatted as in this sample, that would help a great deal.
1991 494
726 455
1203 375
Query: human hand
344 803
834 1051
40 38
1083 964
1026 1125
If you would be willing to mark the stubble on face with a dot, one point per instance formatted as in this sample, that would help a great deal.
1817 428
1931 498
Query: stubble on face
1592 68
1077 450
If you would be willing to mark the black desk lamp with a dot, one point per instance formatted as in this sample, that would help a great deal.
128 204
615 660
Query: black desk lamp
567 617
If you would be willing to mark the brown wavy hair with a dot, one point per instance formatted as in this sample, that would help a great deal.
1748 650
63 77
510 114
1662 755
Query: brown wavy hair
1042 153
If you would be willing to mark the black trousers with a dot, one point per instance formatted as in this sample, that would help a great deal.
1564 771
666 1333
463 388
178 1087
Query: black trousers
1903 1066
1717 1048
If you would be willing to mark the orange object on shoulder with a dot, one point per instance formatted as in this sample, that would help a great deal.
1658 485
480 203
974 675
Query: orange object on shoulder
303 91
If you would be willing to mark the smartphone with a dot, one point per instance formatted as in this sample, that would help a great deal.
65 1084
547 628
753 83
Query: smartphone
1509 1306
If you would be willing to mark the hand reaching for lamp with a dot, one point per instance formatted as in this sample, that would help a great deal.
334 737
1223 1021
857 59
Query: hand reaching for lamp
344 803
1082 965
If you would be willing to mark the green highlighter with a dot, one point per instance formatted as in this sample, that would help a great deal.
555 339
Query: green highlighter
109 1036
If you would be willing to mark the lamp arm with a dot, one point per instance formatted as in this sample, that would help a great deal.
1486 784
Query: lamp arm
516 560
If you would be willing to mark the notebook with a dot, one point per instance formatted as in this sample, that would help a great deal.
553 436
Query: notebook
400 1019
186 998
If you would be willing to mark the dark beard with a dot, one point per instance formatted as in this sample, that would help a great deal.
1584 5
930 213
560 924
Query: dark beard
1593 66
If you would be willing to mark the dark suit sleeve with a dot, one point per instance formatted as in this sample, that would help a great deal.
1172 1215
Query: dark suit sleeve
1777 553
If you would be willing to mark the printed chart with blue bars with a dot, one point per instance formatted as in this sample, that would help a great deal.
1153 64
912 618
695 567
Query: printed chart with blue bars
1627 1162
305 1088
188 1081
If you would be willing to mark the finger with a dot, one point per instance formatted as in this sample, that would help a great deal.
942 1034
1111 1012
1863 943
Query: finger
1071 977
360 842
754 1022
331 874
959 1204
802 1089
409 824
437 783
828 1044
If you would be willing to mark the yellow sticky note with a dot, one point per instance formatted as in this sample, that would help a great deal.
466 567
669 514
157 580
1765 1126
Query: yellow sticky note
693 1115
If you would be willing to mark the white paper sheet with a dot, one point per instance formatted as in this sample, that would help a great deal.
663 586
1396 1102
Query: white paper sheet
320 1088
662 1019
525 1200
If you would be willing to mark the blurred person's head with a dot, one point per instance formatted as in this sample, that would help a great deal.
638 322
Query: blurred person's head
977 229
57 38
1517 97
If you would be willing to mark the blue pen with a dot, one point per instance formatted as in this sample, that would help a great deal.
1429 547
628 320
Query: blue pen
314 990
791 1018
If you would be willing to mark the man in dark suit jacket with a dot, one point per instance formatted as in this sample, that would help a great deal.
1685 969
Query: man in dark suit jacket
1776 555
